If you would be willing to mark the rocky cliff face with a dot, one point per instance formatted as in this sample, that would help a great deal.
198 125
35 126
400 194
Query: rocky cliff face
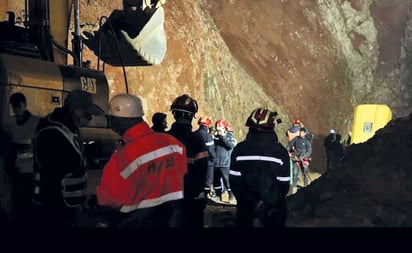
313 60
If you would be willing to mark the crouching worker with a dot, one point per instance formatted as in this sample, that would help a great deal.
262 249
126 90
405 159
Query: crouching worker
143 180
260 173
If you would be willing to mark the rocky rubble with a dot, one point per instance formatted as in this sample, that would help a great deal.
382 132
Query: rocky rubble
372 188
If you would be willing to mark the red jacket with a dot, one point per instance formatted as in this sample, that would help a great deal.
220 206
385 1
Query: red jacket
146 172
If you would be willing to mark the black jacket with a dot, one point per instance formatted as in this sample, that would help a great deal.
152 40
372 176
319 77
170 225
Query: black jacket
301 146
203 132
333 146
260 169
197 155
60 176
224 146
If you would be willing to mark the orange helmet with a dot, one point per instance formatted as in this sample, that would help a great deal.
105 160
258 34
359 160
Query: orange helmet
229 128
184 103
220 123
205 121
263 119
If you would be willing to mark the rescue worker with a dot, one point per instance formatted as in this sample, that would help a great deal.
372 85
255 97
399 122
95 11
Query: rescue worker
224 144
143 180
184 109
300 151
299 124
159 123
22 129
60 177
292 132
204 123
260 173
334 149
231 133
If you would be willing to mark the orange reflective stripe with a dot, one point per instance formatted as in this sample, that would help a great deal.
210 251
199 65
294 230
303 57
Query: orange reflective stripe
200 155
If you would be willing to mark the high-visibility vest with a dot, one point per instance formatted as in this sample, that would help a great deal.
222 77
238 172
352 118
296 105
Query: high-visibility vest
146 172
22 140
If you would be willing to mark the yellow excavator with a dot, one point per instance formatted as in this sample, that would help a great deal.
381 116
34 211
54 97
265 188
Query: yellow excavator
34 58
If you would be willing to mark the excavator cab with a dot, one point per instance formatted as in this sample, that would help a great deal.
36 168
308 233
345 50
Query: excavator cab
133 36
33 59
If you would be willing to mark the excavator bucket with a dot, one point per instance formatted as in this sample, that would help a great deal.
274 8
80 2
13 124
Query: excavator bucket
130 38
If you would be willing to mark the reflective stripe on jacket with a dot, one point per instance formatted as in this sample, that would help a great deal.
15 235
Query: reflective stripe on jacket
22 138
60 177
260 168
146 172
197 156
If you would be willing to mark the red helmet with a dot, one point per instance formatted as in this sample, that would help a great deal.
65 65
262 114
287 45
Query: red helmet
220 123
184 103
297 122
263 120
205 121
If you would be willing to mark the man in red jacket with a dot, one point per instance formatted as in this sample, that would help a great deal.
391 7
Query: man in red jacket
143 180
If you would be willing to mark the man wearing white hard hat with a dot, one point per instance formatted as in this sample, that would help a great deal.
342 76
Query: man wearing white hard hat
333 149
143 180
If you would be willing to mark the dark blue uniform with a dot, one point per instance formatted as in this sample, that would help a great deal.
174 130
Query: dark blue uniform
260 176
203 132
194 180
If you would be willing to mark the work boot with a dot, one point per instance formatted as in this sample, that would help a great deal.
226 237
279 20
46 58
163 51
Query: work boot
215 195
232 199
231 196
225 197
211 194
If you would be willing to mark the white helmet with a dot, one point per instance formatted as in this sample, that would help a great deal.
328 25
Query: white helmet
126 106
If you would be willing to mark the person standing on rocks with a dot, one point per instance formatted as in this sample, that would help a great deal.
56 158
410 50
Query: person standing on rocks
184 109
60 174
159 122
334 149
203 131
260 173
300 151
224 144
22 128
143 180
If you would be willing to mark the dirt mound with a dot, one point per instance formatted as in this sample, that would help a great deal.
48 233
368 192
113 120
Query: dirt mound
370 189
